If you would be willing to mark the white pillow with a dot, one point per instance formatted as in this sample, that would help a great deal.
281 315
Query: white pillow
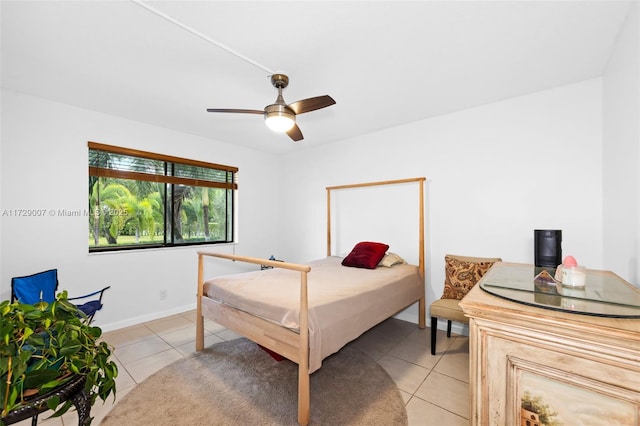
391 259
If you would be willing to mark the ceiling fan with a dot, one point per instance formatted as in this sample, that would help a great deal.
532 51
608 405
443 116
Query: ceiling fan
281 117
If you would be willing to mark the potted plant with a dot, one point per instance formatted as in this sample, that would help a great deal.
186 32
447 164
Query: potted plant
44 347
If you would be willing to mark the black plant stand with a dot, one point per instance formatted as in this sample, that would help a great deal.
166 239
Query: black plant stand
72 390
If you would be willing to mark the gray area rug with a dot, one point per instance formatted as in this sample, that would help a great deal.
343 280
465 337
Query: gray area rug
237 383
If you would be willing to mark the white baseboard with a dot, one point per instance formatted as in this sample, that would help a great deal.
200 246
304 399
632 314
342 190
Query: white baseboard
146 318
456 327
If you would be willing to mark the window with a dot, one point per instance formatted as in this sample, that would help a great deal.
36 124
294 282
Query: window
139 199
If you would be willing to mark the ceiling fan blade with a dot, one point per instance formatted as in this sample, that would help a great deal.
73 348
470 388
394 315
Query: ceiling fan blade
241 111
295 133
312 104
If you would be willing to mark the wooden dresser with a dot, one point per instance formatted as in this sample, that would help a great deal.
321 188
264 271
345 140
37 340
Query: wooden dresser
539 362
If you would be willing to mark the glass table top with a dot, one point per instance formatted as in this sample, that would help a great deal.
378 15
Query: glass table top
604 294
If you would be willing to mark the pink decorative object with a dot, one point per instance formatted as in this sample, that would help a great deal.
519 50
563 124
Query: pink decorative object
570 274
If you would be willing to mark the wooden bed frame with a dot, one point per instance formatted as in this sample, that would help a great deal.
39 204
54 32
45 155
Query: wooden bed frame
288 343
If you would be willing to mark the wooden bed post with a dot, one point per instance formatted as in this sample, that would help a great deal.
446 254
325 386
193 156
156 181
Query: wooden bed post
328 222
304 396
199 317
422 303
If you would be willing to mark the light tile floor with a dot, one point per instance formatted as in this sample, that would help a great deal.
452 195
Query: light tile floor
435 388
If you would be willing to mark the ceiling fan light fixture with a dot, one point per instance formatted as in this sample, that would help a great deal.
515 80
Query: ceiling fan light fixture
279 118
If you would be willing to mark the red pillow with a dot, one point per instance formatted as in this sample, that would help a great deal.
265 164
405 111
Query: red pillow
366 255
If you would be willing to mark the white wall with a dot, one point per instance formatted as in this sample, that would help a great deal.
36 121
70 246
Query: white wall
44 166
495 173
621 153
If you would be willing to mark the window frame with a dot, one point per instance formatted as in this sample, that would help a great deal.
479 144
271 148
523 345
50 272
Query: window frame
222 177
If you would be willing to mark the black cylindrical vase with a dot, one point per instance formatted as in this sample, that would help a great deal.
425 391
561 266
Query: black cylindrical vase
547 247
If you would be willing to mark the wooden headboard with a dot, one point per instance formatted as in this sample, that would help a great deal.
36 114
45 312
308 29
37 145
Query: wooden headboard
419 180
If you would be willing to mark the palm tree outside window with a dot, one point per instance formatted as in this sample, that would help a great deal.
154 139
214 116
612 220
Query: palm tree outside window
139 199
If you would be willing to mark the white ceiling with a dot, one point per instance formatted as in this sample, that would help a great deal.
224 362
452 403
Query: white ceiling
384 62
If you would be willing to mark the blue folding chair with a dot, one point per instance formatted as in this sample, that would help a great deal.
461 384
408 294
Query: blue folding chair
42 286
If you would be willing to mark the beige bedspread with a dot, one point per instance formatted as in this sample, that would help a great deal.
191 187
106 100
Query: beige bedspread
343 302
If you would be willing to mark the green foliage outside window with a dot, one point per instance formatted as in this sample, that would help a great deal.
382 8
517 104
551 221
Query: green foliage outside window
139 202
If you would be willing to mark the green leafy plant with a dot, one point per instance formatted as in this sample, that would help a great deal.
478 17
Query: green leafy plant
43 346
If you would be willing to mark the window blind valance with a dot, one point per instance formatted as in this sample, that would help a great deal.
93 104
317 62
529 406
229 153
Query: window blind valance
125 163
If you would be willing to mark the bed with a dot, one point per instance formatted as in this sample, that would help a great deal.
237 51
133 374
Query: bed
308 312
